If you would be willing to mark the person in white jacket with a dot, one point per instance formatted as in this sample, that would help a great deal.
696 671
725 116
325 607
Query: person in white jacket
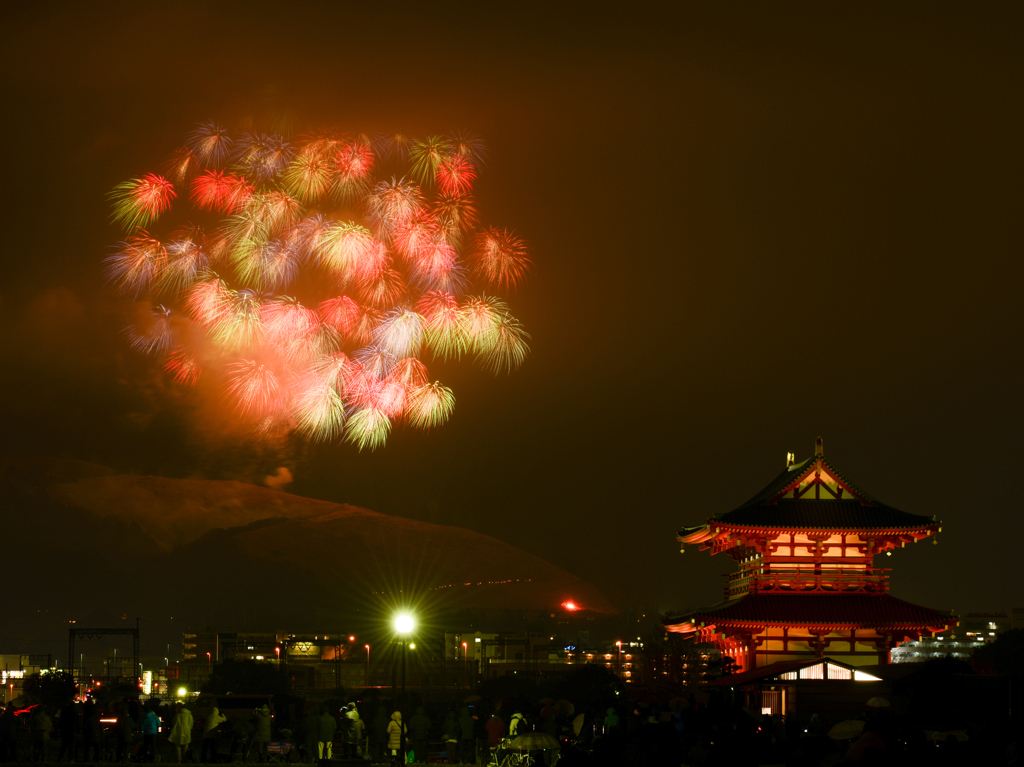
181 730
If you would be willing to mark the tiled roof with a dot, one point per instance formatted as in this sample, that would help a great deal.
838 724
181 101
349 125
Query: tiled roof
867 610
829 514
766 509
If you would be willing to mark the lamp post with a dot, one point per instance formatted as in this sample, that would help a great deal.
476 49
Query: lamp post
278 651
619 645
465 666
367 665
209 661
404 623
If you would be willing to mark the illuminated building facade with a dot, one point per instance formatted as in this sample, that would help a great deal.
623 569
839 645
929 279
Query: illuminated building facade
974 630
807 585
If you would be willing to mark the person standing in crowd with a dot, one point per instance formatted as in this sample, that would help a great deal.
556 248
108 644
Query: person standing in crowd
395 730
262 736
181 730
354 733
513 726
40 725
495 730
213 721
91 734
150 731
467 737
327 725
419 731
611 722
125 733
450 736
8 735
310 734
70 724
379 734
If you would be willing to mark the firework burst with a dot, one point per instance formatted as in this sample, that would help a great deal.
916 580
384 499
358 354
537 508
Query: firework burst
141 200
376 266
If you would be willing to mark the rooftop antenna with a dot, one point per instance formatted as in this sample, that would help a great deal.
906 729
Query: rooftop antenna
819 448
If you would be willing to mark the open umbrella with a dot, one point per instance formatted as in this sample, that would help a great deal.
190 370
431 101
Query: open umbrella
565 708
533 741
851 728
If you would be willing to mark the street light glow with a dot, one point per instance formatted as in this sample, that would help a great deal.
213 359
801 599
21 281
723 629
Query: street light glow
404 623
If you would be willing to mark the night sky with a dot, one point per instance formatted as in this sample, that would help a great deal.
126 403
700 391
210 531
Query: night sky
750 227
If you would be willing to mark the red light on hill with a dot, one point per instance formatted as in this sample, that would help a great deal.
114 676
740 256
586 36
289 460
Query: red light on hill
570 606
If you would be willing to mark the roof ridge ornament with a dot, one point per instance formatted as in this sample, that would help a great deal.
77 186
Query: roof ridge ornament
819 448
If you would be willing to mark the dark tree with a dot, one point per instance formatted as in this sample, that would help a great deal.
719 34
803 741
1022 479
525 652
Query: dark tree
54 689
1003 656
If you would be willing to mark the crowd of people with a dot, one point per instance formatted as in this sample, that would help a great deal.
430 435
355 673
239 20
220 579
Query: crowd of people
481 732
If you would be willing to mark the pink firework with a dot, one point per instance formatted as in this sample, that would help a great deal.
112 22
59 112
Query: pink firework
221 192
182 165
319 407
138 264
500 258
138 202
210 143
341 313
455 175
444 333
415 234
186 259
400 332
183 366
376 242
209 302
394 204
155 336
255 388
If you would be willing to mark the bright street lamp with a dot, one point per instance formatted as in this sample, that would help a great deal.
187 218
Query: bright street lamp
404 623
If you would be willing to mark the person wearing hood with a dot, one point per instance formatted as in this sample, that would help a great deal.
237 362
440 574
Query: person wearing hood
354 734
395 732
419 731
181 730
213 721
327 726
517 726
262 735
150 729
611 721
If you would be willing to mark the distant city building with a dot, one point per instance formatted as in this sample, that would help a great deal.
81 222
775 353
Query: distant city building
975 630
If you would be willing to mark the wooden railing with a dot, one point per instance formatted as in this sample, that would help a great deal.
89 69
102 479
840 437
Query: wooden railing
790 580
